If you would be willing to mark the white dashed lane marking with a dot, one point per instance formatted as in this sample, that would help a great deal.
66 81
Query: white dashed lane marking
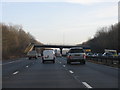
27 66
16 72
63 65
87 85
71 71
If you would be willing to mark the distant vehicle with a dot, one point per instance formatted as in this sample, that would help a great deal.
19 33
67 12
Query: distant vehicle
107 54
99 55
48 55
118 54
64 52
89 54
112 53
39 55
94 55
58 55
76 54
32 54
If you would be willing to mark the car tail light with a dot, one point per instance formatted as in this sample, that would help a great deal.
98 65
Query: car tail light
70 57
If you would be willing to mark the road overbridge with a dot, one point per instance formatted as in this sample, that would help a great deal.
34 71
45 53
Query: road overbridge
59 46
33 46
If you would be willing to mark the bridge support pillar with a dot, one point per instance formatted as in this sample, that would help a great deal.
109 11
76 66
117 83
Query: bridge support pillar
61 51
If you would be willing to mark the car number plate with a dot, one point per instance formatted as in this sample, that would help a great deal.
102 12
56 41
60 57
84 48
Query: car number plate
77 55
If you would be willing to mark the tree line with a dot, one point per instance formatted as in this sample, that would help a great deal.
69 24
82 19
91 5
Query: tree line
105 38
14 41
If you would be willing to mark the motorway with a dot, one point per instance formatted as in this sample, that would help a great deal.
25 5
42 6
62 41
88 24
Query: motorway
24 73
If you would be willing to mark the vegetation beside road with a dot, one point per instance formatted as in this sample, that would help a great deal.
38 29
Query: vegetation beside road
105 38
14 41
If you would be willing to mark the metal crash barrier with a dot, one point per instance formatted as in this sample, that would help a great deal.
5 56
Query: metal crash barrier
105 60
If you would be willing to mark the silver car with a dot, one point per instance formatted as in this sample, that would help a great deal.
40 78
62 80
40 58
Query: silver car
76 54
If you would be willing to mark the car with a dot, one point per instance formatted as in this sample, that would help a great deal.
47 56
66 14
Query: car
106 54
118 55
32 54
89 54
95 55
39 55
76 54
99 55
58 55
48 55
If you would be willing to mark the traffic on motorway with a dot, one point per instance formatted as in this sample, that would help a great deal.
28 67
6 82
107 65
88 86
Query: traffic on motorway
73 54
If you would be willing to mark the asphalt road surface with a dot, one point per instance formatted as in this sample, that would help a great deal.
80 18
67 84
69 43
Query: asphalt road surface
24 73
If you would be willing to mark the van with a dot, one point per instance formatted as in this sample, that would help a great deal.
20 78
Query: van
48 55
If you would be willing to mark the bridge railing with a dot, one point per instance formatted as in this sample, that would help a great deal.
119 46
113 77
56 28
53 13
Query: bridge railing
29 48
115 61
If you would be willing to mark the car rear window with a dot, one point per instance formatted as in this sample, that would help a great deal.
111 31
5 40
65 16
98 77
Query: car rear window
76 51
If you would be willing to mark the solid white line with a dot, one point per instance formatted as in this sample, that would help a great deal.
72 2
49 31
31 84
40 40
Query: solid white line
71 71
15 72
88 86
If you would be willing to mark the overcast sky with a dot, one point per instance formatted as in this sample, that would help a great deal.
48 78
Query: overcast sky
60 21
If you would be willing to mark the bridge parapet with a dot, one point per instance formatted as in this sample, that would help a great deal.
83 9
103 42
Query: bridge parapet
29 48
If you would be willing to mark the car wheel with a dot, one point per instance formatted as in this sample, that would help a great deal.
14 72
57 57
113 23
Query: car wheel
53 61
29 58
83 62
42 61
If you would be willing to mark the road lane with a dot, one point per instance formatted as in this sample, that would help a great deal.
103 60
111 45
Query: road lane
40 75
99 76
9 67
62 75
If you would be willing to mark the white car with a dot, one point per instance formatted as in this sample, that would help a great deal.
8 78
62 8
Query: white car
48 55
